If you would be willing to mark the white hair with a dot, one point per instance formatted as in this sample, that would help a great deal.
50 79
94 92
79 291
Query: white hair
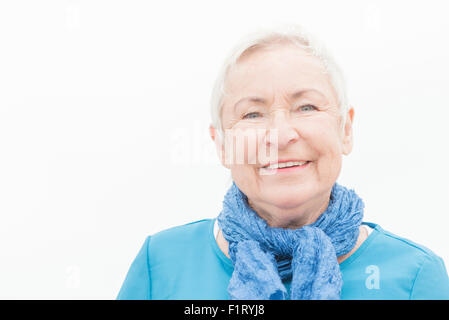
289 33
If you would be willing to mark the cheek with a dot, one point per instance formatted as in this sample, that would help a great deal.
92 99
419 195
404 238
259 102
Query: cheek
322 136
242 147
327 146
328 153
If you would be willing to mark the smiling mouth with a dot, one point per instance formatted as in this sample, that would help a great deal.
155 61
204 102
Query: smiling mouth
287 164
287 167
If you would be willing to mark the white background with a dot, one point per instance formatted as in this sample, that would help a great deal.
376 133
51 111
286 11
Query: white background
99 98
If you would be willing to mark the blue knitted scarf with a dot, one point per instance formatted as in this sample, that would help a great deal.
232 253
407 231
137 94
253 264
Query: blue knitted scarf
264 257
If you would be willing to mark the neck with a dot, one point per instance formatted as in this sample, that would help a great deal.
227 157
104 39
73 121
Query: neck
294 217
363 235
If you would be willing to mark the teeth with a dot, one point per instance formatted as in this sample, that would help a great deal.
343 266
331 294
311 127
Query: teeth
286 164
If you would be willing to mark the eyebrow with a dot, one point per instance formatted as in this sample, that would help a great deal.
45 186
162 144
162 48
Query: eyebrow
294 95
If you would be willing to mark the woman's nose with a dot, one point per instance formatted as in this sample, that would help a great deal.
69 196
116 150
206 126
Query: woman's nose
281 132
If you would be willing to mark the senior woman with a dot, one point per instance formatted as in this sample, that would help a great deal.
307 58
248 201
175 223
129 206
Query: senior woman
287 229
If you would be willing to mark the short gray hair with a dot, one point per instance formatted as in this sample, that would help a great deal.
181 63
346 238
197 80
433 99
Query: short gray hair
290 33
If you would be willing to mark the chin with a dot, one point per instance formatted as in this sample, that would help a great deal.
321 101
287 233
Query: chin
289 191
287 200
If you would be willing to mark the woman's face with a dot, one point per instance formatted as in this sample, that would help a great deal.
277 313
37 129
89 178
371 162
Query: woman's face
284 90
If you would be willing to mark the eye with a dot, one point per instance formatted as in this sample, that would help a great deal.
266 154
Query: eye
310 106
246 116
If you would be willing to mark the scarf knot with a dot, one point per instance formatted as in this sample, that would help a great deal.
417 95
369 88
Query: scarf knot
264 256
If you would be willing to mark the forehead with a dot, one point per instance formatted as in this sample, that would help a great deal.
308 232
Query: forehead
279 68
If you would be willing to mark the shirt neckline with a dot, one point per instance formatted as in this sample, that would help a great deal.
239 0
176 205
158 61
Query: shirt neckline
228 262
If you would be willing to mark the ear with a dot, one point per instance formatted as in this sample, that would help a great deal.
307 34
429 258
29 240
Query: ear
218 145
347 132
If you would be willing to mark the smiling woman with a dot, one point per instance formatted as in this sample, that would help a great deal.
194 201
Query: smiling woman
287 229
274 73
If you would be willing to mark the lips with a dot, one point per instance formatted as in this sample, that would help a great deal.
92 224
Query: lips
283 161
291 168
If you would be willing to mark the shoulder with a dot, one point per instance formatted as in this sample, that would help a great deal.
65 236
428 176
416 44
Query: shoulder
408 259
184 232
180 239
400 252
402 245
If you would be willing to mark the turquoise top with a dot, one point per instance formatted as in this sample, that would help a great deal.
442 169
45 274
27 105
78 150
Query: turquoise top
185 262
